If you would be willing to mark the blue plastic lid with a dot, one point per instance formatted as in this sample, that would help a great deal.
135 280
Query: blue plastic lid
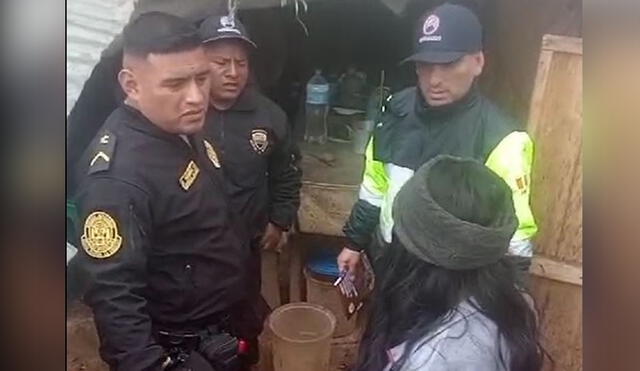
323 261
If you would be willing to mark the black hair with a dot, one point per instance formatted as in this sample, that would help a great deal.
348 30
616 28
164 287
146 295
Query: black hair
413 298
159 33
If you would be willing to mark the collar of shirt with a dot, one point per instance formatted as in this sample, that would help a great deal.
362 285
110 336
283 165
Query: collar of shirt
247 101
424 111
140 122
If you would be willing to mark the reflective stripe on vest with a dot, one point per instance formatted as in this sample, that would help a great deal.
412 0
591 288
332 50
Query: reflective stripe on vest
374 180
511 159
398 176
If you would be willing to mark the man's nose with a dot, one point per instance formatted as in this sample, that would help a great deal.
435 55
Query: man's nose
195 95
232 71
435 77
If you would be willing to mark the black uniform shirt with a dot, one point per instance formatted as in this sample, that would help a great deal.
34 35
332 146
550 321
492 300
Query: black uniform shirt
260 160
158 240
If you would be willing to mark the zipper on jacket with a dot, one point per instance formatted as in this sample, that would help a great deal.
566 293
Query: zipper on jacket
132 224
222 133
136 222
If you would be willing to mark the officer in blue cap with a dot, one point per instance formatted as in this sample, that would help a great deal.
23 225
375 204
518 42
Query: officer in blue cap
445 113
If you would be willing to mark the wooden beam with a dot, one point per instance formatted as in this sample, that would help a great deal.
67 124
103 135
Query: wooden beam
270 279
330 186
562 44
538 96
557 271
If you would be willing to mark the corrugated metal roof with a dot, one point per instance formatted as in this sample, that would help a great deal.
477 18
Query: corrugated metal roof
91 25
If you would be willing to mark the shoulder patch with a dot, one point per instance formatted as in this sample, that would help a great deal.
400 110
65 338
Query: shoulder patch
101 238
103 152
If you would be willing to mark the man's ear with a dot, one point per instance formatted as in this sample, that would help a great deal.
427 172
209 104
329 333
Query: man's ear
129 83
478 59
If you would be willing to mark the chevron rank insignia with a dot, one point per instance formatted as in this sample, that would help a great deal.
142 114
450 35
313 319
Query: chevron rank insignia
103 153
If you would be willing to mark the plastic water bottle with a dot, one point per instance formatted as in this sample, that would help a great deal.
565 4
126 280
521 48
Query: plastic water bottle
317 108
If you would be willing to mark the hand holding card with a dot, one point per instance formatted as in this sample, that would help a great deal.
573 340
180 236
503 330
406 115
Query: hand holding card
355 287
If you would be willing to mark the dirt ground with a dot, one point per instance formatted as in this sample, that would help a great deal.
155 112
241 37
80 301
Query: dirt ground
82 340
82 345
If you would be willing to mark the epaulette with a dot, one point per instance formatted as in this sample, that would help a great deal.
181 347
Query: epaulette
103 152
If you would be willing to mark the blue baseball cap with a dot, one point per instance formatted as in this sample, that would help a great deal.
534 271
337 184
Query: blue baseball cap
446 34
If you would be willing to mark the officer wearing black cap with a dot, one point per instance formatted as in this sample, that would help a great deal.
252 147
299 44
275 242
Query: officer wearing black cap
166 258
260 158
444 114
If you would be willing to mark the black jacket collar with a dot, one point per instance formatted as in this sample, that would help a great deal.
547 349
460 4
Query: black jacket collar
247 101
139 122
424 111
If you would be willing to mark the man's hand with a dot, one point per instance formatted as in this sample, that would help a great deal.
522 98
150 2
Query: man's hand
274 238
348 260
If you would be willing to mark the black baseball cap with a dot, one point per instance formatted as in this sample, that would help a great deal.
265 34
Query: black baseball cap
218 27
446 34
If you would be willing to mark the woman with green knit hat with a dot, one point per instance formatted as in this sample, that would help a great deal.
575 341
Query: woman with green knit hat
446 295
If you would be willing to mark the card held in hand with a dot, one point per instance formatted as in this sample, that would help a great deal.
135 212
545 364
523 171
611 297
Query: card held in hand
355 288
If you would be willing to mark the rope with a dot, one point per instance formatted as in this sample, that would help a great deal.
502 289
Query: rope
306 8
232 6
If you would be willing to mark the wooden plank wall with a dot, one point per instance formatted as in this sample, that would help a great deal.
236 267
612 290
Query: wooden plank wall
514 30
555 122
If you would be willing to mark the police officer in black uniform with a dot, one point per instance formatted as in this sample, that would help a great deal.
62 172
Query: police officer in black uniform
255 144
165 256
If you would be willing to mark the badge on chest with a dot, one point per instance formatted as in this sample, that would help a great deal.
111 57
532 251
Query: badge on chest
189 176
259 140
211 153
